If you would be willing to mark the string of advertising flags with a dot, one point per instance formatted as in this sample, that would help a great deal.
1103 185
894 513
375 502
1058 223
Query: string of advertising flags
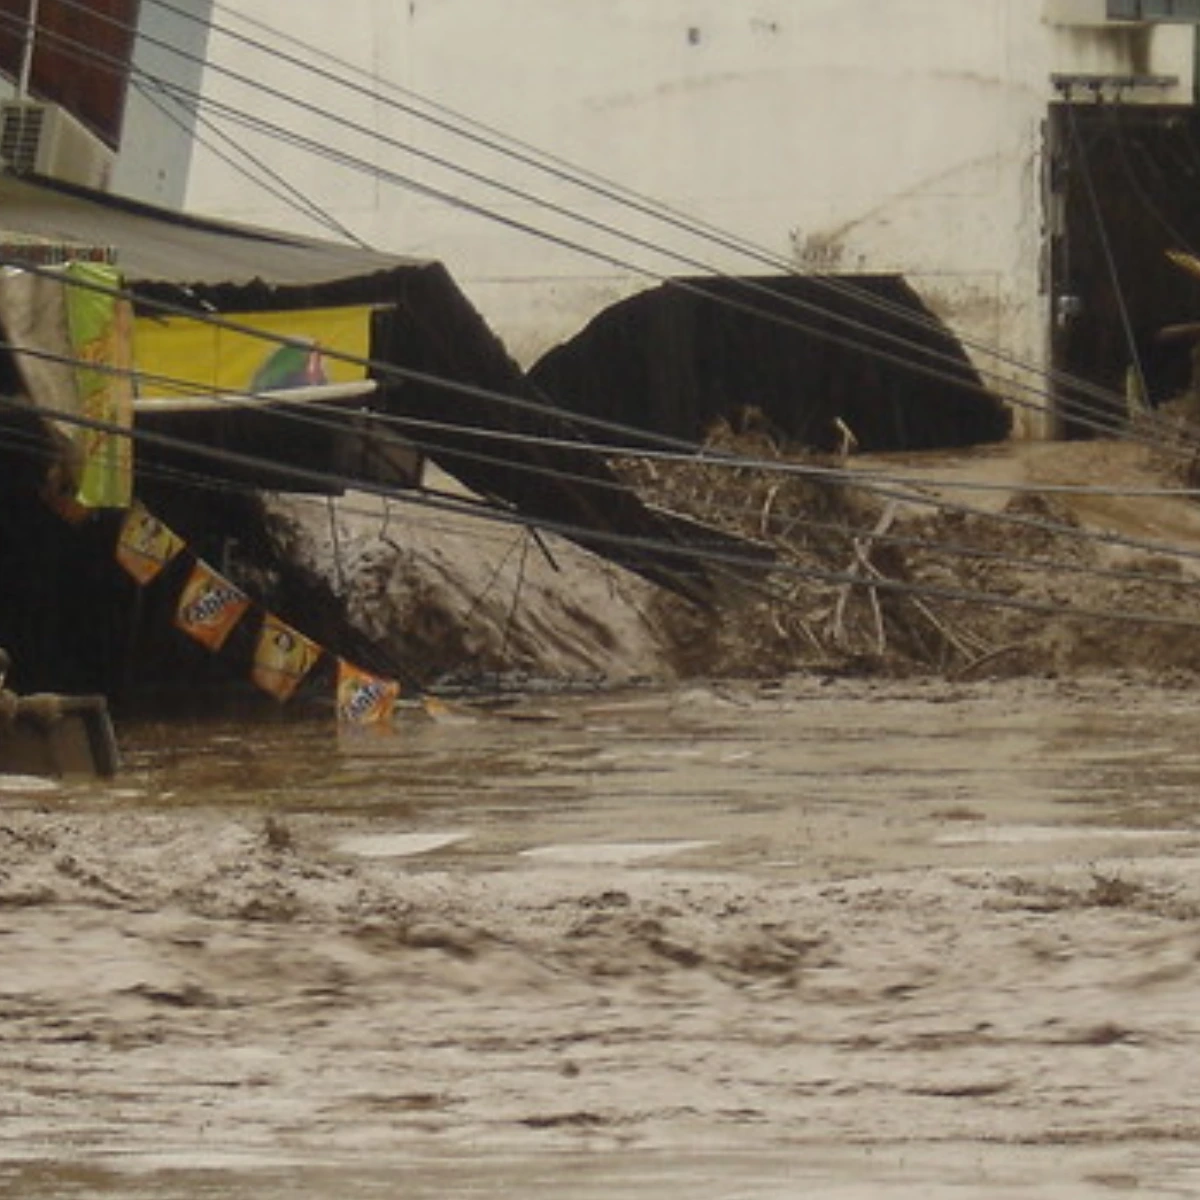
210 607
73 332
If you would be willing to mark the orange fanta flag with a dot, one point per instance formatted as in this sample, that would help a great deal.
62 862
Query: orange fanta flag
145 544
363 698
282 658
209 607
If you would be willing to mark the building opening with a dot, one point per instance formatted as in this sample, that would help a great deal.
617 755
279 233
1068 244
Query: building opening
809 356
1123 180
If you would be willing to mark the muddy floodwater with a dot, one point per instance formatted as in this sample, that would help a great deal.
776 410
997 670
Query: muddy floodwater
843 939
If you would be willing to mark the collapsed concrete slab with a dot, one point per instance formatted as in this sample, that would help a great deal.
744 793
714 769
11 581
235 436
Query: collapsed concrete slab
814 360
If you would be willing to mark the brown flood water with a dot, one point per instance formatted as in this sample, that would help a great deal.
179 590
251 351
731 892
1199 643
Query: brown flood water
848 940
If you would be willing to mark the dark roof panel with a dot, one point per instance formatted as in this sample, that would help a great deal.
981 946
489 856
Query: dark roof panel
158 244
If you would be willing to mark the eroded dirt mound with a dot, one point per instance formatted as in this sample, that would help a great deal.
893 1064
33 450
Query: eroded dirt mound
1024 559
450 597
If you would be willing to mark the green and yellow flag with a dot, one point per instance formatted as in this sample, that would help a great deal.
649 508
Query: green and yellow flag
100 326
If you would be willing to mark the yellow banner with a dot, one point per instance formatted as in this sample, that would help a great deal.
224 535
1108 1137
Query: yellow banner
282 658
363 698
145 545
199 357
101 331
209 607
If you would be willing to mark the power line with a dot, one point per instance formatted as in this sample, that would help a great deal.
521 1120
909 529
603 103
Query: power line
771 593
723 558
274 185
560 169
1067 403
887 487
850 479
804 523
709 554
691 454
489 137
404 181
589 532
1106 426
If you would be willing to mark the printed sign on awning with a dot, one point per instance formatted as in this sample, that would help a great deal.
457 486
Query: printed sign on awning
184 356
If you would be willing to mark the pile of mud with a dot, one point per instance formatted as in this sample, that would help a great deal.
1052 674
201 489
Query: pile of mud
446 599
1026 559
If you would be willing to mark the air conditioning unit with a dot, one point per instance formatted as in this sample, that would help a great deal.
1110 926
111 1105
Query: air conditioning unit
1092 14
45 139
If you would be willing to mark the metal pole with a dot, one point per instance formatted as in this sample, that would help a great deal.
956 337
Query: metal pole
27 53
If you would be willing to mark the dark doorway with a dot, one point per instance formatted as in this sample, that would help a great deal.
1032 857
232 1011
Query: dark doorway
802 353
1124 181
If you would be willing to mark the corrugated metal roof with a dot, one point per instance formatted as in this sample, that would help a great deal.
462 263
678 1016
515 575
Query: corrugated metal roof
161 245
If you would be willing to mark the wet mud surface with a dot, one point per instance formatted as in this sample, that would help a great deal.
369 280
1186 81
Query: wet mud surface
843 939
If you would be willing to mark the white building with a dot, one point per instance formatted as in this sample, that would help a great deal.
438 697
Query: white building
902 136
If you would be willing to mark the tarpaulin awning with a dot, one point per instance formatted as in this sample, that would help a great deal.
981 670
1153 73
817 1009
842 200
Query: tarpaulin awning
433 358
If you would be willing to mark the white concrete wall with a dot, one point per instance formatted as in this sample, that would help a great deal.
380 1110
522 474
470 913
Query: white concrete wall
889 135
160 121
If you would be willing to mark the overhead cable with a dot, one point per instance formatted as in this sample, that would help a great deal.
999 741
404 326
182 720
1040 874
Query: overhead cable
708 554
890 487
448 120
345 159
327 479
659 447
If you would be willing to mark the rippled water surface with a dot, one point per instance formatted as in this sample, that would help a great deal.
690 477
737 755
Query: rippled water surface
842 939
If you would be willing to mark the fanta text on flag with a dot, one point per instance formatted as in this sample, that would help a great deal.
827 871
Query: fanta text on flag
363 698
209 607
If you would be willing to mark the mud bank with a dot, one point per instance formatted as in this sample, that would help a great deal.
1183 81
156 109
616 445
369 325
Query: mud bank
975 564
450 597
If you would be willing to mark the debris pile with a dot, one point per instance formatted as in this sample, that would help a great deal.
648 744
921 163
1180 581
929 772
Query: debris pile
898 579
1036 559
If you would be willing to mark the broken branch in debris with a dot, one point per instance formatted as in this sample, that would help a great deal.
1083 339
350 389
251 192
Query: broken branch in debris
862 567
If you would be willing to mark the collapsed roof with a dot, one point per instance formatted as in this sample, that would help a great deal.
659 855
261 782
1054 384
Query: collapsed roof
432 356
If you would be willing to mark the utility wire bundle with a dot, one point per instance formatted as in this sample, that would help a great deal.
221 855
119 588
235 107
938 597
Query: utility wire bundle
1025 385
